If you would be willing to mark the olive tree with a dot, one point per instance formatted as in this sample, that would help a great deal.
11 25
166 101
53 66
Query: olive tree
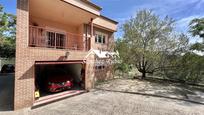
149 39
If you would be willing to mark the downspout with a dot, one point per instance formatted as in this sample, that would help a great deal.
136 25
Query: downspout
92 34
86 39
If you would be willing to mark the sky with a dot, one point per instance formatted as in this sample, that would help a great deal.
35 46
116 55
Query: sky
183 11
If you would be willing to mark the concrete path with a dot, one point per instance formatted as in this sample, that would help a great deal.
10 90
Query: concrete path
100 102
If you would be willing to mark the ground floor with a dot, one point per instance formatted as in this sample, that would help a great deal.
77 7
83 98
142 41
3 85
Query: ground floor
43 81
98 102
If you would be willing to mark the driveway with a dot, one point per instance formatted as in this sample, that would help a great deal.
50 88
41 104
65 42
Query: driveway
156 88
6 92
99 102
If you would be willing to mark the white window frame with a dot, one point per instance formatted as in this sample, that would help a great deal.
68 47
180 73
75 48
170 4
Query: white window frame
56 31
103 40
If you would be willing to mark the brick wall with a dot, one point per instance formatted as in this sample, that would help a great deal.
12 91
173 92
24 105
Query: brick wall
26 57
109 45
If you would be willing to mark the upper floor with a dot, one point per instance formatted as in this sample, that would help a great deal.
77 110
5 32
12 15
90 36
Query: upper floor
69 24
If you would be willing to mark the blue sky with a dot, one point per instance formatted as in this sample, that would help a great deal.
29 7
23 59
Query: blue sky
183 11
120 10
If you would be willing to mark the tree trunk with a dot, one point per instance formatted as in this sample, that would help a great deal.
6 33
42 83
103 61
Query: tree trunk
143 74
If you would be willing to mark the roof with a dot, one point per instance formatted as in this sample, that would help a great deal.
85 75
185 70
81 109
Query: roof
105 54
101 54
104 17
99 8
92 4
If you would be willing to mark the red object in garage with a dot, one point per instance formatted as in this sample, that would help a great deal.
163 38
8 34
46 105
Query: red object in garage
58 83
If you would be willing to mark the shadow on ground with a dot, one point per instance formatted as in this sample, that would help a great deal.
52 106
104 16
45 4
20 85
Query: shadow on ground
156 88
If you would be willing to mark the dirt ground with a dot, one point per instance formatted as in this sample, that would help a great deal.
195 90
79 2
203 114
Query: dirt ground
155 87
99 102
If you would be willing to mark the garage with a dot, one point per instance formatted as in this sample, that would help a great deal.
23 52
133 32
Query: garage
56 80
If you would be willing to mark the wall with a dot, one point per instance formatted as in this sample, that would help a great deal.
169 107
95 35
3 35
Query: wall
74 33
90 73
109 42
26 57
55 25
104 74
105 23
108 46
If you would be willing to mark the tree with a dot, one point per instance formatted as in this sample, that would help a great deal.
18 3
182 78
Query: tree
197 46
189 68
197 27
7 34
149 40
121 47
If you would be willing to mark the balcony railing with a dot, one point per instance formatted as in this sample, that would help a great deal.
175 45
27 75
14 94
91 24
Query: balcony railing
43 37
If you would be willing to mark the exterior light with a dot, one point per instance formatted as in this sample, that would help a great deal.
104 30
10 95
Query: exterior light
67 54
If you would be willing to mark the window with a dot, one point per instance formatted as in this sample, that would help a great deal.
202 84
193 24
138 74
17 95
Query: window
56 40
99 67
60 40
100 38
51 39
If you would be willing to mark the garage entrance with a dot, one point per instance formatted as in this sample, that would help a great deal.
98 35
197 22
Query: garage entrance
58 79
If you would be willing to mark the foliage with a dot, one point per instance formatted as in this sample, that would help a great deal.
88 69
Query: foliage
7 34
121 47
7 48
152 46
197 27
187 68
198 47
149 39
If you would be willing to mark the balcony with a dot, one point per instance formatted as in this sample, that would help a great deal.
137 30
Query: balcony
49 38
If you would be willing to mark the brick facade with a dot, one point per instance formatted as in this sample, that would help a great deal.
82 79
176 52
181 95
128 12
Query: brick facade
26 57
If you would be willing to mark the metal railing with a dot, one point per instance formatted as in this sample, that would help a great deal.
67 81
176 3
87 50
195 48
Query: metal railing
43 37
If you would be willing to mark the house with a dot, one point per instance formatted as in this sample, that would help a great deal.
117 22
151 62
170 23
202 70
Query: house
58 34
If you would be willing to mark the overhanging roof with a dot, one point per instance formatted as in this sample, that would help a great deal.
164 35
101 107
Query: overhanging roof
105 23
111 20
85 5
92 4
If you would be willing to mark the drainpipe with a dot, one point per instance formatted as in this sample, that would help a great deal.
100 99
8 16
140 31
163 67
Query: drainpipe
91 27
86 38
92 34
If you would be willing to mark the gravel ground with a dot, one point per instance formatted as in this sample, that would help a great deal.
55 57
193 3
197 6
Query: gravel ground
158 88
98 102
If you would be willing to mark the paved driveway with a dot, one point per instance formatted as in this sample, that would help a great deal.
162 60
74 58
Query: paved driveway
101 102
6 92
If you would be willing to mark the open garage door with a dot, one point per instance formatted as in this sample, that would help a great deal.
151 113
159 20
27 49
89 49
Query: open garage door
55 79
